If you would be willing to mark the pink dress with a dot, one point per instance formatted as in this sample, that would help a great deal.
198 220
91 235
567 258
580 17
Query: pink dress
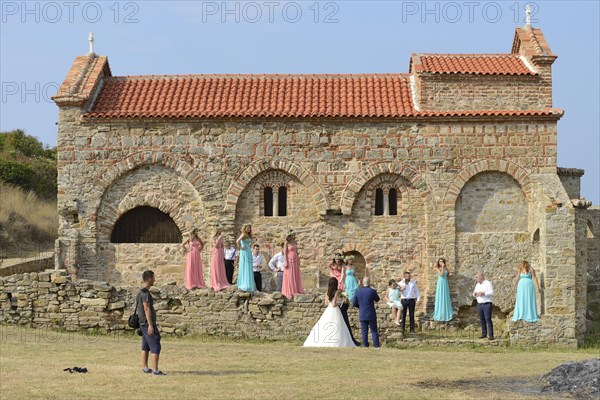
218 278
340 276
193 267
292 281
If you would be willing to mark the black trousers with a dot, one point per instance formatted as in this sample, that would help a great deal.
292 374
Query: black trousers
485 318
408 305
229 266
258 280
344 310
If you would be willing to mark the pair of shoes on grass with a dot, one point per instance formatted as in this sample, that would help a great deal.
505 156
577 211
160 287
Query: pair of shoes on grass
157 372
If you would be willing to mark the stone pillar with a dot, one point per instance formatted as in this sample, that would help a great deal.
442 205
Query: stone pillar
386 202
275 203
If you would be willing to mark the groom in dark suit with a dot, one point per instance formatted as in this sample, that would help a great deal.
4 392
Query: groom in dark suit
364 300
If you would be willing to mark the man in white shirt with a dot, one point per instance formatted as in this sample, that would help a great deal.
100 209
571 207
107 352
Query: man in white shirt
277 265
230 255
484 293
409 297
257 264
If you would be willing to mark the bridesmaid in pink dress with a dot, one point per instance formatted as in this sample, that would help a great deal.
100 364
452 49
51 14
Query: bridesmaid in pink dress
193 265
292 281
338 270
218 278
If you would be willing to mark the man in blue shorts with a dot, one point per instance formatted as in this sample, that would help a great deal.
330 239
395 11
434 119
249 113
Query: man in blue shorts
150 335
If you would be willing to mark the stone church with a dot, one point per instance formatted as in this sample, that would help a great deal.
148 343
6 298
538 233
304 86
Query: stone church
456 158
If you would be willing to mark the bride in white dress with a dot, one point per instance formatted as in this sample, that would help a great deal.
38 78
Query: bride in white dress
331 330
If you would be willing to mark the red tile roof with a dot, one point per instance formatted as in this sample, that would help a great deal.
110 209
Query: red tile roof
243 96
476 64
203 96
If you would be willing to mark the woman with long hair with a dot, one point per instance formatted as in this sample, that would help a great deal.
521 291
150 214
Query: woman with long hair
331 330
337 270
526 303
442 310
292 280
245 278
218 277
193 266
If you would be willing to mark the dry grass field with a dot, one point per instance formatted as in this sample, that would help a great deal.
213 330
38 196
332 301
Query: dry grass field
28 225
32 363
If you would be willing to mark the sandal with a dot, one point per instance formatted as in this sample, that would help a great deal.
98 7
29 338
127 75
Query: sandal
146 370
160 373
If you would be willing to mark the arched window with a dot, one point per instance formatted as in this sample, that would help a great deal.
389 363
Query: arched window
393 203
282 201
145 225
268 201
379 201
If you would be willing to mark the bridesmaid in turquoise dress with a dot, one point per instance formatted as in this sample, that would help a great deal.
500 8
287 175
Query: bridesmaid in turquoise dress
245 278
443 306
526 304
351 282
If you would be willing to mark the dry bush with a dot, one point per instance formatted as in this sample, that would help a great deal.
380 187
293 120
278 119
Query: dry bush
27 224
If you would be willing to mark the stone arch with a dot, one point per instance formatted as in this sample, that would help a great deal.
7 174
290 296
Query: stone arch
360 263
110 214
366 174
491 201
145 224
184 168
257 167
469 171
157 186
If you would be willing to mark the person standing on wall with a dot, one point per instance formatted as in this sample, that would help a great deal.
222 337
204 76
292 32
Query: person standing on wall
484 293
245 279
218 278
292 280
230 256
257 265
442 310
193 267
409 298
526 303
277 265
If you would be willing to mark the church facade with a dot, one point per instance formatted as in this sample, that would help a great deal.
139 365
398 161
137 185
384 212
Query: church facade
457 158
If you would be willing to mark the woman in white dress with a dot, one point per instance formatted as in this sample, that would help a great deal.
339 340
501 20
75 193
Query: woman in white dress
331 330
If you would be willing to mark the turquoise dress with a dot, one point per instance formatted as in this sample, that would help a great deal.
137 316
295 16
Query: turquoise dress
351 284
245 279
443 306
526 305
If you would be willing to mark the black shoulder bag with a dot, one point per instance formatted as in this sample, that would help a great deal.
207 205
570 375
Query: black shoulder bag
134 319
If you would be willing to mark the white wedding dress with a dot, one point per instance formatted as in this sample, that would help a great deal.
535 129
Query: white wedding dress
330 330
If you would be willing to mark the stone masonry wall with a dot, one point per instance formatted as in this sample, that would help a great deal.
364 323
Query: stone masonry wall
52 300
472 92
212 174
592 239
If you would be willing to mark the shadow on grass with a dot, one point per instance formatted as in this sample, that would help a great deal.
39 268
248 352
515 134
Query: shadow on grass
510 385
213 373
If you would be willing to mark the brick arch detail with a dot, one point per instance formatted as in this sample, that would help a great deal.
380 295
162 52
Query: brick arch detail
184 168
359 248
469 171
258 167
112 214
366 174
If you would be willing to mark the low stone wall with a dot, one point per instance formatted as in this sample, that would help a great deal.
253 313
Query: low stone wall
46 260
52 300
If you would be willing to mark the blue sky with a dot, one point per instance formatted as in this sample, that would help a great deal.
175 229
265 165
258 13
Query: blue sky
39 41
